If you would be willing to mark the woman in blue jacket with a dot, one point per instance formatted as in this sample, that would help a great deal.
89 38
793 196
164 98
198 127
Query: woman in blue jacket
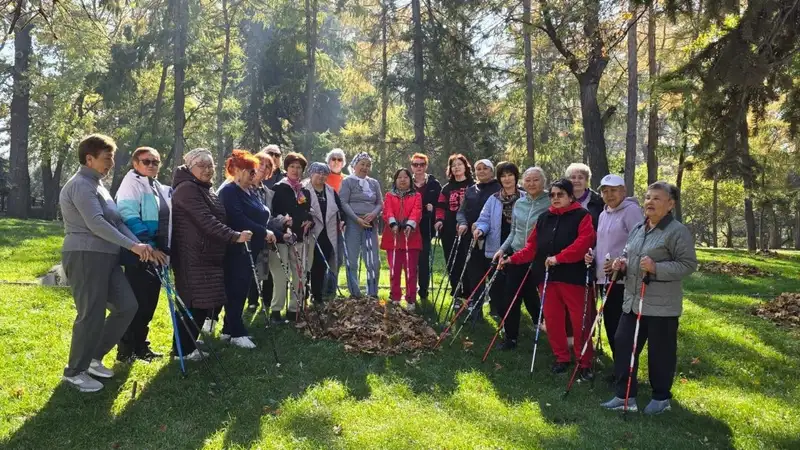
494 224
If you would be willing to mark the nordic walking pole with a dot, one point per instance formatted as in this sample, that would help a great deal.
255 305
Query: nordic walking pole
460 286
327 266
645 282
599 347
539 322
462 308
348 270
369 261
258 288
446 278
393 270
455 291
408 267
595 324
175 330
585 308
476 304
510 305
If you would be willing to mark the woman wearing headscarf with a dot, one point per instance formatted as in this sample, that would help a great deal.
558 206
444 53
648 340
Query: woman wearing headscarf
558 243
450 199
362 203
660 251
144 205
295 250
325 208
200 240
402 211
475 197
493 227
429 188
244 211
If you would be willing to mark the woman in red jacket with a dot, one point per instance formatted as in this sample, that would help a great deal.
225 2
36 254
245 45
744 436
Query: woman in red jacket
402 211
561 236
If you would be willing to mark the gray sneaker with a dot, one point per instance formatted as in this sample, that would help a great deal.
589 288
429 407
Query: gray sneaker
657 407
83 382
618 404
97 369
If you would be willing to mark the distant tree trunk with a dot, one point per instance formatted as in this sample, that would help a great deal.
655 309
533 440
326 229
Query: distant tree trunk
593 128
652 115
19 198
797 226
714 210
749 216
384 74
419 82
633 101
729 237
529 116
311 69
775 236
684 124
226 58
51 181
181 21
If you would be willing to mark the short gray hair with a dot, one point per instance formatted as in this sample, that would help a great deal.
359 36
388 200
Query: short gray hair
535 169
670 189
196 156
580 167
336 152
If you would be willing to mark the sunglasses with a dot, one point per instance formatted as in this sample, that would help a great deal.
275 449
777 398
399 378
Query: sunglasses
149 162
274 155
337 159
418 164
558 194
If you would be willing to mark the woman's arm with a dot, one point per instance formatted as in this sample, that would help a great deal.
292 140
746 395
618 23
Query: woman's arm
484 222
684 257
237 218
129 204
87 203
528 252
415 215
345 194
191 201
388 211
378 197
441 205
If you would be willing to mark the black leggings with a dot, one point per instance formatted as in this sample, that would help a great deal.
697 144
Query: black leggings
460 256
318 269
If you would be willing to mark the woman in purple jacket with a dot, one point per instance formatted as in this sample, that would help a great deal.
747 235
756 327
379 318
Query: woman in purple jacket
619 217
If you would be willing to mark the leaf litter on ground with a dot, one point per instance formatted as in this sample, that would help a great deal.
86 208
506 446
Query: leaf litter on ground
732 268
367 325
783 310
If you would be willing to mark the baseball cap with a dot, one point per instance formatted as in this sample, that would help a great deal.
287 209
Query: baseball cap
612 180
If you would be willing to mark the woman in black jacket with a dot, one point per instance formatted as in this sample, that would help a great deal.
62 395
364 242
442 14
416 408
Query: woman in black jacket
460 178
295 250
427 185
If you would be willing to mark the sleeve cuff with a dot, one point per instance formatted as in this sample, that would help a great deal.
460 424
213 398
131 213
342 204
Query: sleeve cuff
411 223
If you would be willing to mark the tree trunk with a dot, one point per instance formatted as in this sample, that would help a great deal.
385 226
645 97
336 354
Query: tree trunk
311 67
226 58
529 116
749 215
775 236
181 20
384 75
593 128
419 82
19 198
51 182
797 226
684 124
652 115
714 211
729 237
633 101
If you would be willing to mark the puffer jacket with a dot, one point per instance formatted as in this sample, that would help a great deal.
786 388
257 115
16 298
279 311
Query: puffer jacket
671 246
199 241
402 209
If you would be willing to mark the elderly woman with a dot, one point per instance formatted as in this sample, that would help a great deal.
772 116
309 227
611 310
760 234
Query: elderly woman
95 233
295 247
274 152
144 205
264 195
580 175
200 240
429 188
336 161
619 217
475 197
493 227
362 202
325 208
459 177
244 211
562 236
660 251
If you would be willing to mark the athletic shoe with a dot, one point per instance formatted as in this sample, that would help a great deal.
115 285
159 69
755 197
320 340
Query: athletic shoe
225 337
291 316
208 326
196 355
243 342
618 404
83 382
586 374
559 367
97 369
275 318
396 303
410 307
147 354
252 307
124 357
656 407
507 344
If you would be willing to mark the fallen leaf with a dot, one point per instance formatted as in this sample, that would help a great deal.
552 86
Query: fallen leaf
116 445
696 361
466 344
277 412
266 410
337 430
548 404
17 392
497 366
684 380
163 428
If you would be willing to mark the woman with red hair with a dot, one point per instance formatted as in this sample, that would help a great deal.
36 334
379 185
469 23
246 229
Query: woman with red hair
245 211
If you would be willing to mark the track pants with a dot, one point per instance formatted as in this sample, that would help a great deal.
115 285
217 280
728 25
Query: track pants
290 259
319 268
562 300
146 288
238 276
661 336
612 312
356 241
396 269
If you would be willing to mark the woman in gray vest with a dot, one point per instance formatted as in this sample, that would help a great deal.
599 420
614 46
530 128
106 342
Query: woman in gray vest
660 252
325 210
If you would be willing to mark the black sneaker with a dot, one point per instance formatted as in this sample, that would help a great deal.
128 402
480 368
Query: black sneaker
275 318
586 374
507 344
291 316
559 367
146 354
124 357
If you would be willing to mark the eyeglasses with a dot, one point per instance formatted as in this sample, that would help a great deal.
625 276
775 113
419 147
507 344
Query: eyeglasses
149 162
337 159
418 164
558 194
274 155
205 166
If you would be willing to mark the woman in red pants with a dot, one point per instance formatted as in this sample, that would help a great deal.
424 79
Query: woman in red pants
563 234
402 211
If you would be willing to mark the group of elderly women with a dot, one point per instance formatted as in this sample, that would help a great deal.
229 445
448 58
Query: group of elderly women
299 224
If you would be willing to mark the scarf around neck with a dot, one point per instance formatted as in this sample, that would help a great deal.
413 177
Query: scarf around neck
508 202
297 187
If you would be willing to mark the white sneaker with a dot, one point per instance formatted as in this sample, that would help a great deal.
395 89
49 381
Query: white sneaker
243 342
225 337
410 307
83 382
208 326
196 355
97 369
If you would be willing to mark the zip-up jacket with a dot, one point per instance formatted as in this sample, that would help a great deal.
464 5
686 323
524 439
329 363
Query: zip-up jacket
402 209
475 198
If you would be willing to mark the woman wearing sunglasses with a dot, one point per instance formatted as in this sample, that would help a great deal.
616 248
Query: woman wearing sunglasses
562 236
144 205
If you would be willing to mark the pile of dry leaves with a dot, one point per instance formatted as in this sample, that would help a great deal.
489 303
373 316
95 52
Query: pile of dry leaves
367 325
783 310
732 268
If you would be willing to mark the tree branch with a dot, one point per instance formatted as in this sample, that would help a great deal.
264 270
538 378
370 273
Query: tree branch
550 30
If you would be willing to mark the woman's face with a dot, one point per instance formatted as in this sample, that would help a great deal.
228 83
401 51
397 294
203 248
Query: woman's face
245 177
294 171
203 170
613 195
418 166
579 182
147 164
533 183
363 167
559 198
103 163
657 204
318 180
336 163
483 173
457 168
508 181
263 170
403 182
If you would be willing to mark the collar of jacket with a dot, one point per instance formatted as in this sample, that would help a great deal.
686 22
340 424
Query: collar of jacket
560 211
479 186
90 173
662 224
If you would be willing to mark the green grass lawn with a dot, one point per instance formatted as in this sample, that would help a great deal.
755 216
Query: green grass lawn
736 384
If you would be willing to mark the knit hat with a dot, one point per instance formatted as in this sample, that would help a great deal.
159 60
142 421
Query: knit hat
294 157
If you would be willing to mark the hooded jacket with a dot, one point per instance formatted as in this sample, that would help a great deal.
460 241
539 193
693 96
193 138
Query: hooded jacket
614 226
144 205
402 210
526 212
